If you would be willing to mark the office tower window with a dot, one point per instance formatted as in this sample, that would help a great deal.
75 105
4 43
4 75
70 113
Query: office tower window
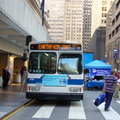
104 8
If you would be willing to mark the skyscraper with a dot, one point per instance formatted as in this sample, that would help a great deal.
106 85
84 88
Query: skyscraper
113 35
87 15
99 11
98 27
56 18
73 20
65 19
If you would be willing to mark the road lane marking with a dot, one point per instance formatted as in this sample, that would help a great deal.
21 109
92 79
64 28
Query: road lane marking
109 115
45 111
118 102
76 110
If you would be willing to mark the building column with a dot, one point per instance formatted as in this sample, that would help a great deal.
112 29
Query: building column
11 66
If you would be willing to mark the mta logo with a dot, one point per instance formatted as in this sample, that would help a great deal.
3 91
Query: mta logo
63 81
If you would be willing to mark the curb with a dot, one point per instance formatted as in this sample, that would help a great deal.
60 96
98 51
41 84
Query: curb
9 114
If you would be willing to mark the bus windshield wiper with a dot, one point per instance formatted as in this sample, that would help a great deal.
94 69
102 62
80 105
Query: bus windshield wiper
42 76
68 76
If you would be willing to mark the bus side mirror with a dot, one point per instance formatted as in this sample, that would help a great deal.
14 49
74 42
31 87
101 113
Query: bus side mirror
25 56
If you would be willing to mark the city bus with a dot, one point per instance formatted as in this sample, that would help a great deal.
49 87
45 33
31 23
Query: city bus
55 71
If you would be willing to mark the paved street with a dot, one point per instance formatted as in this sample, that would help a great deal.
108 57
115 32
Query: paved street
56 110
11 99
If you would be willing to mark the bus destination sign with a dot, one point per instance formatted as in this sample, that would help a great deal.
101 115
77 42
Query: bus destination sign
55 46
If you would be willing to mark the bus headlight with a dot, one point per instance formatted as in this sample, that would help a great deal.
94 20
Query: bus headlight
35 88
73 89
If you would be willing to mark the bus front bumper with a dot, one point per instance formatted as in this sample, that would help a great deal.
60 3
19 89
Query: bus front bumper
54 96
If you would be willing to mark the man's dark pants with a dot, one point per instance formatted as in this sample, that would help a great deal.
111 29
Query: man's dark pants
108 100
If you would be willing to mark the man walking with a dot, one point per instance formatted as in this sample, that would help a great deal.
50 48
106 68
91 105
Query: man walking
110 82
23 69
116 94
5 77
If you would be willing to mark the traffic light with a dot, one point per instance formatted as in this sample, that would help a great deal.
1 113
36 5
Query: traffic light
28 39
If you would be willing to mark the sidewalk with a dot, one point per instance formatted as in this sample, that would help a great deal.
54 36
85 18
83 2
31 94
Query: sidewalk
11 99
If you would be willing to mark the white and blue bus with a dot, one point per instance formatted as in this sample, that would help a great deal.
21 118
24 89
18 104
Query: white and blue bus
55 71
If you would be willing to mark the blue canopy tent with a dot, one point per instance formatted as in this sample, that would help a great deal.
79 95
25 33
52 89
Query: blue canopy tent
97 64
98 68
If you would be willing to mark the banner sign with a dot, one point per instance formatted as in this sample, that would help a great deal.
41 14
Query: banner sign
55 80
99 72
115 54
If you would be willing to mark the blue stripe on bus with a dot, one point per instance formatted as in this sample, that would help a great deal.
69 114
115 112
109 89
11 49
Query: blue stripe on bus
75 82
34 80
70 81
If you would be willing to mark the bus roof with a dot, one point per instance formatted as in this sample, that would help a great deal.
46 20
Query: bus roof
53 41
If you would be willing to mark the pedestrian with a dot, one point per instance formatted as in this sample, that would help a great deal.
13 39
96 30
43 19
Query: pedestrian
5 77
116 74
23 69
116 94
109 85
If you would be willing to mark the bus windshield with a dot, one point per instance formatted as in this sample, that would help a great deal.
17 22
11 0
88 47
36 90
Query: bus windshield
45 63
42 62
70 64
